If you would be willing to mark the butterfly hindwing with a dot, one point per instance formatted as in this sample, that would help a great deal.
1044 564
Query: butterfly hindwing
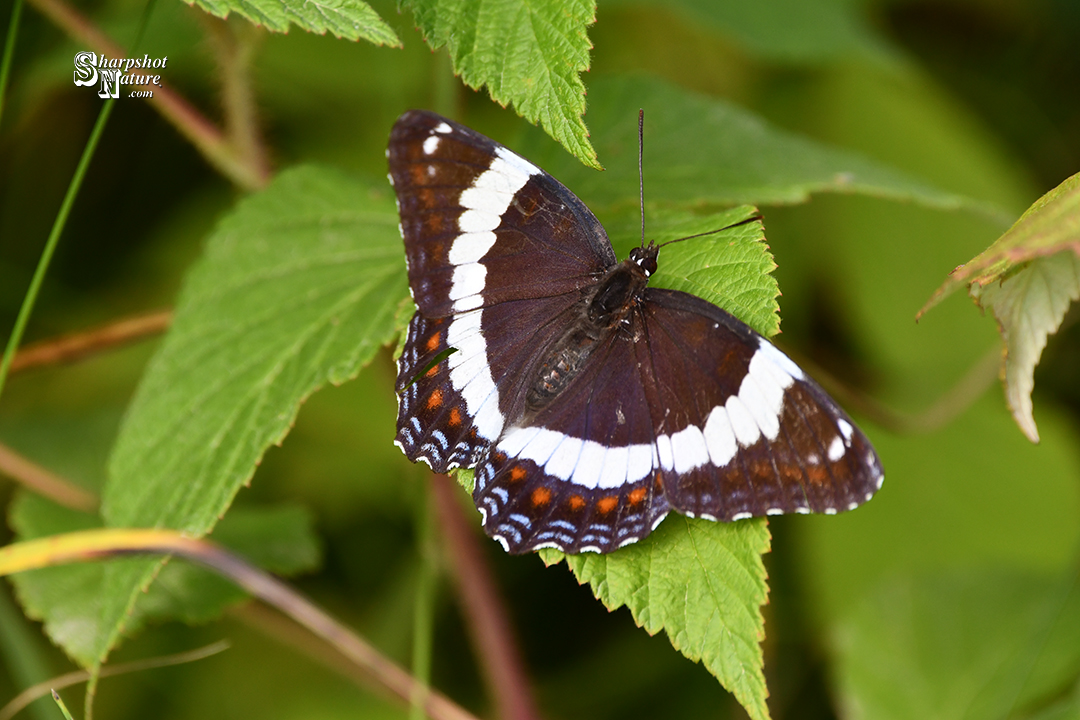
577 473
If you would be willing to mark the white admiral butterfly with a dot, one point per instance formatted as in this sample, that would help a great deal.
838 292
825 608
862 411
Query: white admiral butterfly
589 403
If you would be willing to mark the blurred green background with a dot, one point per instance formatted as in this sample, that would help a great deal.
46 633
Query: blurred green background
896 610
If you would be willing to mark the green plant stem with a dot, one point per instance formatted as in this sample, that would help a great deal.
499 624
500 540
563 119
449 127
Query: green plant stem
424 607
54 238
9 53
445 86
61 705
234 44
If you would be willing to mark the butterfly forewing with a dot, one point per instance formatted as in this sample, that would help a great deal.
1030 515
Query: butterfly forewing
482 225
589 404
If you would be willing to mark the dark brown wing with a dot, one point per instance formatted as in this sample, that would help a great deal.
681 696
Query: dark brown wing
741 430
579 475
499 253
483 225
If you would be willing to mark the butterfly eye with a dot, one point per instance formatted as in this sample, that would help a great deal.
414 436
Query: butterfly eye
645 258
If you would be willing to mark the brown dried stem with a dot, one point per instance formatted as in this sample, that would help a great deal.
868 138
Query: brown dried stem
941 412
485 614
76 346
39 480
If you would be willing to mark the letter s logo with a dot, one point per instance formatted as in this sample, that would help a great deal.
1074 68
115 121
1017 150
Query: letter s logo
86 69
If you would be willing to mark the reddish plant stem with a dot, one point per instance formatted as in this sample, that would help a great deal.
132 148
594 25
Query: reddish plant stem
485 614
207 138
69 348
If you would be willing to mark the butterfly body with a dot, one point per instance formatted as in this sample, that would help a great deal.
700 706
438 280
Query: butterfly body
589 404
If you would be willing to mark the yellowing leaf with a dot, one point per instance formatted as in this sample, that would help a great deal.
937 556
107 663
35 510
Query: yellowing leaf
1027 278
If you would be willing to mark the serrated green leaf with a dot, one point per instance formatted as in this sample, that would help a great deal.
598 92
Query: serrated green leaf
731 269
1030 306
967 645
68 598
1028 278
1051 225
299 286
702 151
703 584
349 19
528 54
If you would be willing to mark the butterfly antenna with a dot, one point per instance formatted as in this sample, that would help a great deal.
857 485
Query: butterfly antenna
753 218
640 174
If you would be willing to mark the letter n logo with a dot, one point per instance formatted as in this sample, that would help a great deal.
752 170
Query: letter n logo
109 77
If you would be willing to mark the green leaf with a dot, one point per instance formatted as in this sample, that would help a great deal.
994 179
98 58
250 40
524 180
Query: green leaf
299 286
964 645
792 30
349 19
703 151
1028 307
279 539
730 269
528 54
701 582
68 598
1028 278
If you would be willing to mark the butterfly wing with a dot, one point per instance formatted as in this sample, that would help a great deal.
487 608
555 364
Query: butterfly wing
499 254
741 430
578 475
686 408
481 224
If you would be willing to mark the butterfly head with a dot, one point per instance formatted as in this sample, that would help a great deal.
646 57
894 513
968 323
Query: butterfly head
645 257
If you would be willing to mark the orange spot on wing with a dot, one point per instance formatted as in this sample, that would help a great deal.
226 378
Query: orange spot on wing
517 473
455 417
435 399
638 495
576 502
432 371
541 496
433 341
607 504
